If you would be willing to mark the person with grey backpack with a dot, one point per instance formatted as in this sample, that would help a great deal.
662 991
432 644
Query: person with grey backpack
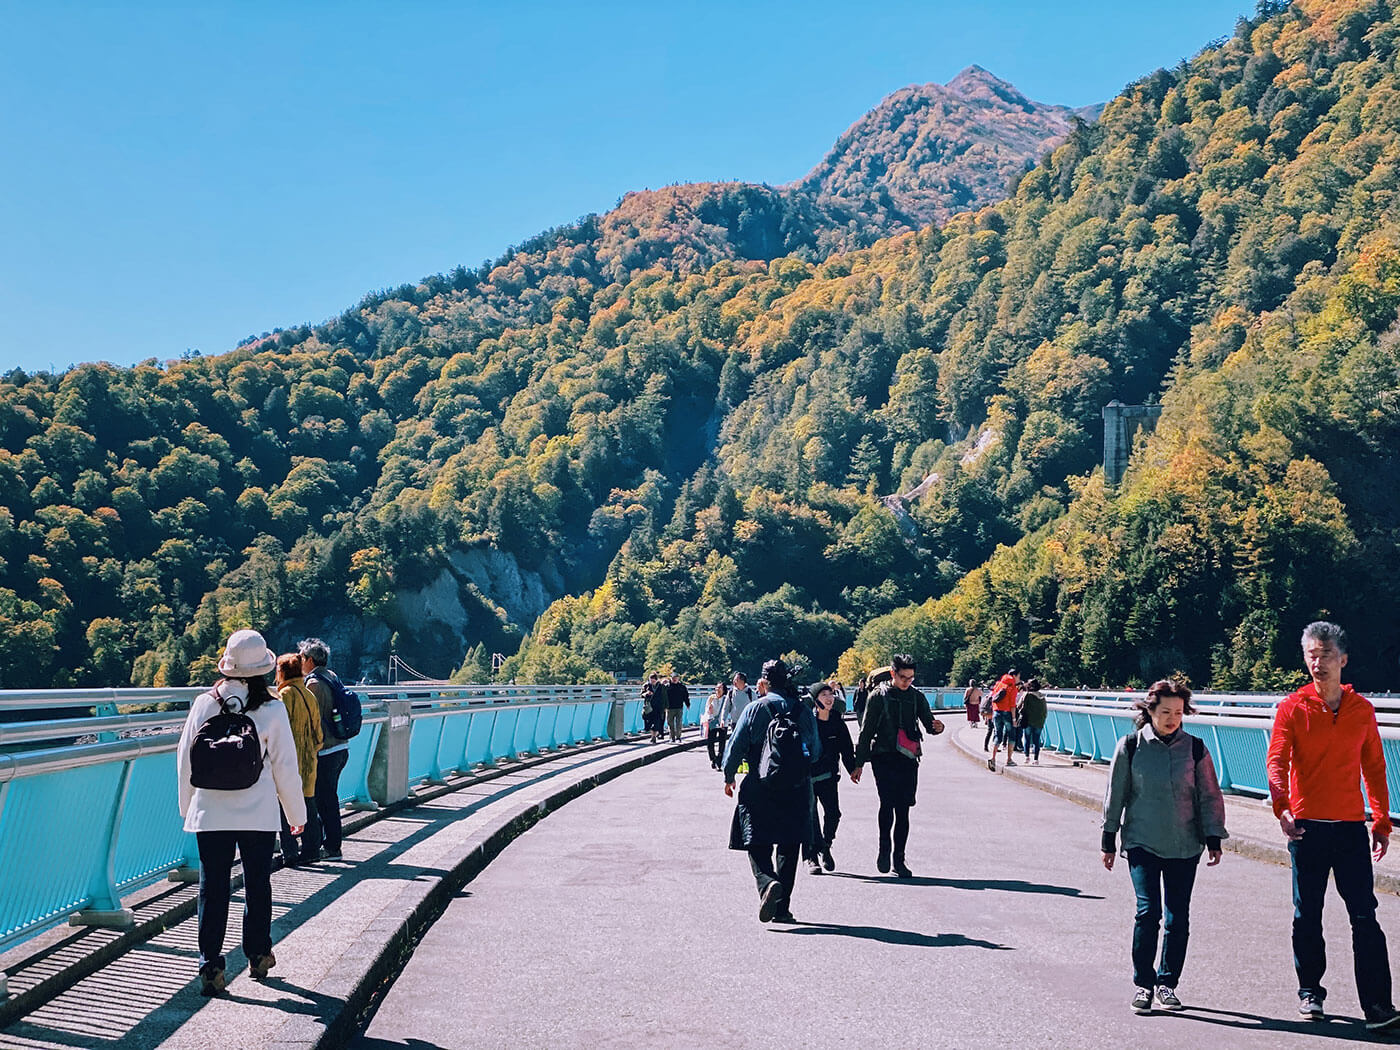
1164 796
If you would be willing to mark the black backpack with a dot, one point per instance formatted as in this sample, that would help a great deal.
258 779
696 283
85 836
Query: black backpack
226 754
783 761
347 713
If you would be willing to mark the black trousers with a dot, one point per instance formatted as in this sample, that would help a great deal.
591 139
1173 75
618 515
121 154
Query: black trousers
765 872
714 742
310 845
824 793
328 770
215 867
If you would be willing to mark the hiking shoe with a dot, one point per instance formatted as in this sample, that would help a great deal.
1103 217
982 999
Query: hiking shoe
771 902
1142 1001
827 862
992 764
257 968
882 862
212 982
813 868
1386 1021
1310 1006
1167 997
902 870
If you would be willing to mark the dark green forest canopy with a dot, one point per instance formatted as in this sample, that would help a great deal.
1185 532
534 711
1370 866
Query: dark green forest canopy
690 418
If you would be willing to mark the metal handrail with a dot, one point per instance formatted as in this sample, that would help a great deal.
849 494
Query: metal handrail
124 784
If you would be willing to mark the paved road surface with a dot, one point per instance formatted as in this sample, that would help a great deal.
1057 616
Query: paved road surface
622 921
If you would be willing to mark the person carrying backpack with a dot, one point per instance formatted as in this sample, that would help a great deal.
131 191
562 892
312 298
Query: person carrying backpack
1163 793
890 742
777 735
235 763
305 716
340 721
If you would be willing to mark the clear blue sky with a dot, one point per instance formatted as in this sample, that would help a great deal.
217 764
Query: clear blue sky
184 175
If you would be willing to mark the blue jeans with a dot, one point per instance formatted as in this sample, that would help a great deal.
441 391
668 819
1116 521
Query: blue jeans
1001 721
1032 740
215 866
1163 886
1342 849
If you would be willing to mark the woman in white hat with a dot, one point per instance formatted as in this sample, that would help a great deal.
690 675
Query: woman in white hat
242 771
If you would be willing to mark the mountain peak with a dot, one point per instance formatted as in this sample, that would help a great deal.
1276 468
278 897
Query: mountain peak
928 151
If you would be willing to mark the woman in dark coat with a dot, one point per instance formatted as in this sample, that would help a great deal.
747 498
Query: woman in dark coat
771 818
889 739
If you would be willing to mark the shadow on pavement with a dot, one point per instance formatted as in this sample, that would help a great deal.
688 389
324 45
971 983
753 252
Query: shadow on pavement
365 1043
1005 885
888 936
1344 1028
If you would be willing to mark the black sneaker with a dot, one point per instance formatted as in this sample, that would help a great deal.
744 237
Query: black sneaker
1142 1001
771 902
1167 997
882 862
1386 1021
784 917
1310 1006
813 868
827 862
902 870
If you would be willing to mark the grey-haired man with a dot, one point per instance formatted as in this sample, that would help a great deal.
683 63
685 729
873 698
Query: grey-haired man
335 752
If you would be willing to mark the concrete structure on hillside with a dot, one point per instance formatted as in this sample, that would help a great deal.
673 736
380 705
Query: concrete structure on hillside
1120 423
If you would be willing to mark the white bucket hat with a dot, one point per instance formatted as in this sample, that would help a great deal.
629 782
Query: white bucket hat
246 655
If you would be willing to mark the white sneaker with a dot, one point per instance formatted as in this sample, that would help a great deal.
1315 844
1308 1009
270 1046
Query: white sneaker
1035 761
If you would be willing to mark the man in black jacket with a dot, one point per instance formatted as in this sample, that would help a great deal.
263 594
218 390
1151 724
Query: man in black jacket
770 818
677 698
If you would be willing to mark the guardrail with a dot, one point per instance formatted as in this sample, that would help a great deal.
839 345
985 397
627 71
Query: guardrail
88 820
1235 728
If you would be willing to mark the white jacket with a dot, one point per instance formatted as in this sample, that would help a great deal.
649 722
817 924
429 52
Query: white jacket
254 808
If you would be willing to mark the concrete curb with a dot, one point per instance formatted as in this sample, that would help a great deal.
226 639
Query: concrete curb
1255 849
61 941
364 975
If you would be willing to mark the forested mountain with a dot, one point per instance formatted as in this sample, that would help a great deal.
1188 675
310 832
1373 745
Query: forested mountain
688 416
930 151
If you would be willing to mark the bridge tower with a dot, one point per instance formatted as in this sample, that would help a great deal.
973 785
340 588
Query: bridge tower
1120 423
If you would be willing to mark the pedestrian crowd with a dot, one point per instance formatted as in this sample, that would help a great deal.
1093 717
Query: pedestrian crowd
1162 797
256 766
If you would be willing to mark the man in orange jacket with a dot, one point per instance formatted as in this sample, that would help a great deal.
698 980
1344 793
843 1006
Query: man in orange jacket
1325 739
1004 716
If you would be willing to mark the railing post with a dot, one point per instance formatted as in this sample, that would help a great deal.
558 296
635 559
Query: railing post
617 720
106 908
388 769
105 711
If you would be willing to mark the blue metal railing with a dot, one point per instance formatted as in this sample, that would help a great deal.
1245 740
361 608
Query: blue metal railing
84 823
1235 728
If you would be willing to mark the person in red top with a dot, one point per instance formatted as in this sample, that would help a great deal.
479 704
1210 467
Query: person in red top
1324 741
1003 716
